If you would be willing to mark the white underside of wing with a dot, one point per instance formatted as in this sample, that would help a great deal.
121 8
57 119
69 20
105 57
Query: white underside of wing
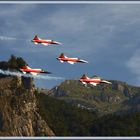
36 43
33 73
70 62
84 83
45 44
61 61
94 84
23 72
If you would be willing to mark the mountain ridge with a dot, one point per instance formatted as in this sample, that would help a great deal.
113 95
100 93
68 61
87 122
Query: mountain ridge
102 98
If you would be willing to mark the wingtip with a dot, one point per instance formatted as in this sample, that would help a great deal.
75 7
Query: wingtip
83 61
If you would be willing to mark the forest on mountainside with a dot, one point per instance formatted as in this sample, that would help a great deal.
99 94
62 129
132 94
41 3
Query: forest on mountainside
67 120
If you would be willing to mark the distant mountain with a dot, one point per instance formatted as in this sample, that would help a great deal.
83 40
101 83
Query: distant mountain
106 110
119 97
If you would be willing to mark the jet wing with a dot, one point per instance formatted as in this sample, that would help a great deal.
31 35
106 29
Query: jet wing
70 62
33 73
45 44
84 83
92 83
23 72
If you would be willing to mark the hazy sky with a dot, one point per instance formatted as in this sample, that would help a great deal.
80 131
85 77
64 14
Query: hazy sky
106 35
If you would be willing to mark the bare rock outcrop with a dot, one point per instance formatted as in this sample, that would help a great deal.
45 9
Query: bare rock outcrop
18 110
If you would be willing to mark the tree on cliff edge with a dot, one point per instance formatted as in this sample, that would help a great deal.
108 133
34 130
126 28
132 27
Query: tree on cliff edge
14 63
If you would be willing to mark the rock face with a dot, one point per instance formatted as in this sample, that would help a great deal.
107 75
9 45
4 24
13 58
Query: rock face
18 110
114 98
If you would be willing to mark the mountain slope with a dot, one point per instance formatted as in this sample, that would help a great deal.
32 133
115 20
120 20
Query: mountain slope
67 120
116 98
64 119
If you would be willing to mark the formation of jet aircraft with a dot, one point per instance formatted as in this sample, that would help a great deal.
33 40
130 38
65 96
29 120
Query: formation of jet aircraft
27 69
92 81
44 42
62 58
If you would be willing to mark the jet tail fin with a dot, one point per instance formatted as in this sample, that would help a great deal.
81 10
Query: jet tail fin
62 55
36 37
84 76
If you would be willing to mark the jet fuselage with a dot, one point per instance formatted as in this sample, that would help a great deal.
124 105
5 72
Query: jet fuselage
93 81
45 42
27 69
62 58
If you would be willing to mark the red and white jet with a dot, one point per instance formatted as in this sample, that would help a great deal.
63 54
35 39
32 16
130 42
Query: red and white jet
62 58
44 42
93 81
27 69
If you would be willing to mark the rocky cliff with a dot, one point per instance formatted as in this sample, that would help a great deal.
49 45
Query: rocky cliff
18 109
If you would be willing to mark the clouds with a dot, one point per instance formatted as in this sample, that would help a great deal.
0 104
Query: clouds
68 21
134 65
107 35
12 19
134 62
7 38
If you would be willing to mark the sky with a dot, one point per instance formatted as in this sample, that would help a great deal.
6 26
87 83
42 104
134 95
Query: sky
105 35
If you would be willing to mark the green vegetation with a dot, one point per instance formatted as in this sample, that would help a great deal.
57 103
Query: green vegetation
66 120
14 63
113 125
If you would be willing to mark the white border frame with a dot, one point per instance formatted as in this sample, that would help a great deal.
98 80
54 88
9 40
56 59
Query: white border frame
70 2
69 138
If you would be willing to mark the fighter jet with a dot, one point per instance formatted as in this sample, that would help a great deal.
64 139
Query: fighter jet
92 81
62 58
44 42
27 69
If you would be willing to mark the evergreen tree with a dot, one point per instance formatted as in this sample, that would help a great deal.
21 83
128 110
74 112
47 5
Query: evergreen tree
16 62
20 62
13 62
